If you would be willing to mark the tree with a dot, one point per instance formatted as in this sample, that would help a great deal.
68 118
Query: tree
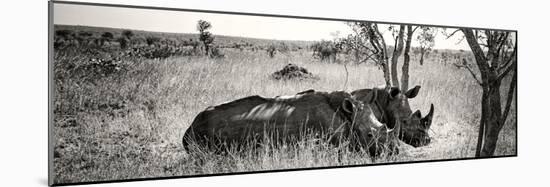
204 35
372 45
126 39
63 37
83 37
359 43
406 61
271 50
123 42
63 33
397 50
426 38
352 45
495 53
325 50
106 36
368 43
152 40
128 34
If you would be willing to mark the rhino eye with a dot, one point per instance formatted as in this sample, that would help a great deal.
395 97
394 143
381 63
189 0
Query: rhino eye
425 124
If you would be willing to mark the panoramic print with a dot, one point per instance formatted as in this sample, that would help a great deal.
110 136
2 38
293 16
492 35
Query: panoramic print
152 93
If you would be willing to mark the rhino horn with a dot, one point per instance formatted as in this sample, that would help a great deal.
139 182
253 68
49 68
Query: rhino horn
427 120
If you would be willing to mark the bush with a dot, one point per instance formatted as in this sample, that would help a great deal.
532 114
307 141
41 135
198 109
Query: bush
292 71
325 50
271 50
215 52
151 40
123 42
63 33
107 35
128 34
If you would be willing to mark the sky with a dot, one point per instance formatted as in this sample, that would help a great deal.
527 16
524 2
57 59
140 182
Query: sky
222 24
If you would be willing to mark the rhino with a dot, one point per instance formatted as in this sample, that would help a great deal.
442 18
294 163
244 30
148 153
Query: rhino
391 106
335 117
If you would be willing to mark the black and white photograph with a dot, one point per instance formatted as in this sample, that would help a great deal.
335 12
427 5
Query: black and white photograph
151 93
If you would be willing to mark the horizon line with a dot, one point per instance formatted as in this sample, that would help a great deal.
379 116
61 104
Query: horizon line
245 37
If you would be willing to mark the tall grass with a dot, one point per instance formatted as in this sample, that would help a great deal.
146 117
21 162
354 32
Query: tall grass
129 124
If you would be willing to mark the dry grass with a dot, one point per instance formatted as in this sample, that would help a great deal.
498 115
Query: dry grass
156 100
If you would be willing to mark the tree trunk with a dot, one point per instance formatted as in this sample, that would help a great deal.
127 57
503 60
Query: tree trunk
492 119
206 49
356 54
482 123
377 41
386 72
395 56
422 56
406 61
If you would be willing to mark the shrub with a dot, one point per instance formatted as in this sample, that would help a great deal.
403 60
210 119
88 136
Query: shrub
271 50
123 42
152 40
128 34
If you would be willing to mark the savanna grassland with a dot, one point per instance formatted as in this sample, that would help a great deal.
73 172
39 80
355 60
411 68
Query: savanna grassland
126 119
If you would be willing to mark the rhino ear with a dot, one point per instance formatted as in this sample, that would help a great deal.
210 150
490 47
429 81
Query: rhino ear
394 92
417 114
348 106
413 92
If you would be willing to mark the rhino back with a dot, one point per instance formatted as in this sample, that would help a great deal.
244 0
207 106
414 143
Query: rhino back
256 117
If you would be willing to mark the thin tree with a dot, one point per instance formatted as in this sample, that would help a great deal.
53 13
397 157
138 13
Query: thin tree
372 46
407 58
204 35
397 51
426 39
367 43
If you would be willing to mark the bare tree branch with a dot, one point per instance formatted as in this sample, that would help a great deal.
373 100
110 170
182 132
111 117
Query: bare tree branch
502 41
453 33
511 64
490 37
375 44
509 99
481 59
465 65
503 74
510 58
369 57
415 28
347 75
367 48
382 40
460 40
